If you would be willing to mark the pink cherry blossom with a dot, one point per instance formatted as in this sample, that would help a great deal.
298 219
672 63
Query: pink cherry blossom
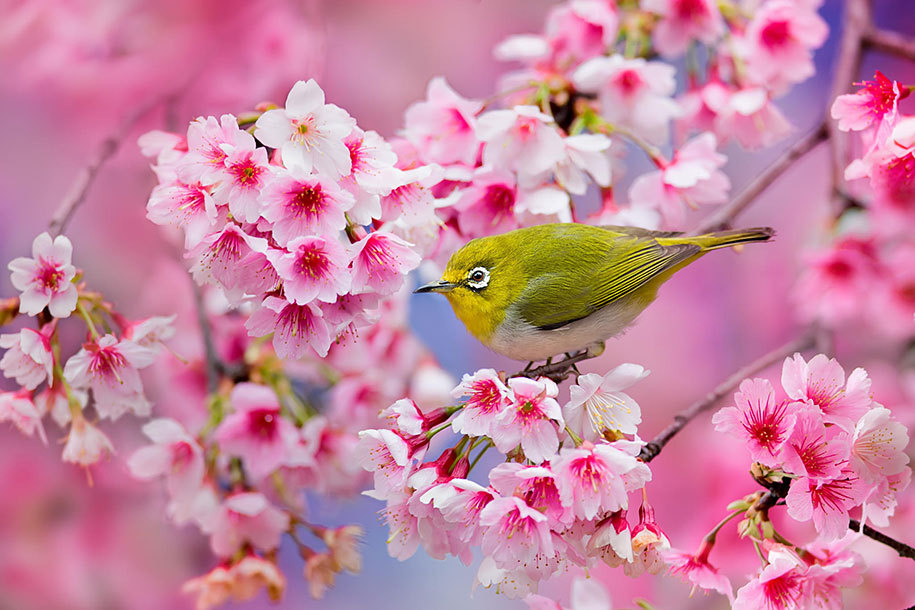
86 444
696 569
18 408
878 445
442 126
692 176
174 454
297 204
308 132
633 93
256 431
380 261
648 545
826 502
779 41
521 139
834 279
234 260
530 420
514 532
209 142
834 567
596 403
586 155
777 586
537 486
763 424
240 183
54 400
372 160
487 396
683 21
387 455
188 206
873 104
28 359
881 500
295 328
822 382
893 306
612 540
314 268
46 279
579 30
813 449
595 479
253 574
246 517
150 332
751 117
110 367
463 508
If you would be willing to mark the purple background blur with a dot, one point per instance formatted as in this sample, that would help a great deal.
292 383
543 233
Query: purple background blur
64 545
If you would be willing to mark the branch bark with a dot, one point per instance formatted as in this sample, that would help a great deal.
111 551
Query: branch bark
76 196
654 447
890 42
723 217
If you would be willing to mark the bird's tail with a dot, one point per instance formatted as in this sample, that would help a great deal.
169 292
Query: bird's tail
726 239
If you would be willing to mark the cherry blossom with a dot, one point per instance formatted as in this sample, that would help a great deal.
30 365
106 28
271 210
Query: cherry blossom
594 479
295 328
759 420
874 104
521 139
208 144
778 585
692 176
28 358
308 132
696 569
513 531
189 206
596 403
487 396
296 203
683 21
530 420
246 517
256 431
822 383
443 126
878 445
750 116
18 408
240 183
314 268
46 279
174 454
380 261
234 260
110 367
86 444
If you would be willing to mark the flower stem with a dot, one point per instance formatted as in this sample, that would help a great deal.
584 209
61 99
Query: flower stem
81 309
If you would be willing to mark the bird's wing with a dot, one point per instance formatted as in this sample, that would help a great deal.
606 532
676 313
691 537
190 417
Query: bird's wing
626 264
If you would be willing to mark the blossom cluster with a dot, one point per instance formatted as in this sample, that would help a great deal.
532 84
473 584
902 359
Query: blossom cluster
558 499
840 449
106 366
866 273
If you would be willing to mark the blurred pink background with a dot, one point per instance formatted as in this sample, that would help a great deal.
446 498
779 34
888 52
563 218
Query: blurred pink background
68 82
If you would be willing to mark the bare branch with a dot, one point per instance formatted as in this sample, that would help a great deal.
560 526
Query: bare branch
723 217
213 365
653 448
76 196
902 548
890 42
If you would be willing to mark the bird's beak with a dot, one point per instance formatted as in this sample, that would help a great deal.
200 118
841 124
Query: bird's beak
439 286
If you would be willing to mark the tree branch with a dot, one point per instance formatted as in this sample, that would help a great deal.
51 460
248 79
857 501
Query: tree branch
902 548
654 447
212 363
722 218
76 196
890 42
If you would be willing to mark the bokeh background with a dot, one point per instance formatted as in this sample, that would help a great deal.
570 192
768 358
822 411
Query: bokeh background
74 71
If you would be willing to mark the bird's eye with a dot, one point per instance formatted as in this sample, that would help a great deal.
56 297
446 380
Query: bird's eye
478 278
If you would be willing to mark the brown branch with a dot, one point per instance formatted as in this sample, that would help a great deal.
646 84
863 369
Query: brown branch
902 548
557 371
722 218
857 21
890 42
213 364
653 448
76 196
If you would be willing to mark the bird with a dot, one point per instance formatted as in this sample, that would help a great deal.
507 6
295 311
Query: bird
562 288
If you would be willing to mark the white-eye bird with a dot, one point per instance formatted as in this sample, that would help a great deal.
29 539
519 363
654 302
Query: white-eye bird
534 293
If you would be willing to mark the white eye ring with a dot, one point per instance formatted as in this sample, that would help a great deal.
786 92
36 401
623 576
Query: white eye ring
478 278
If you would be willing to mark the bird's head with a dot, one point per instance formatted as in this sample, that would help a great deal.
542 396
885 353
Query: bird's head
481 281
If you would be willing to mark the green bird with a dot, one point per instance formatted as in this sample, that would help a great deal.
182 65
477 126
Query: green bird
534 293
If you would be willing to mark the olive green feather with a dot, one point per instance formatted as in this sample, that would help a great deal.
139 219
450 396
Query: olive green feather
595 266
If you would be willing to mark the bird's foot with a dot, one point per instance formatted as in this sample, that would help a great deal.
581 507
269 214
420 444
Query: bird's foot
561 369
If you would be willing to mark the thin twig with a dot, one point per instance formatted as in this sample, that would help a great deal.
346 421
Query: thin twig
890 42
76 196
857 21
723 217
902 548
557 371
213 365
653 448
